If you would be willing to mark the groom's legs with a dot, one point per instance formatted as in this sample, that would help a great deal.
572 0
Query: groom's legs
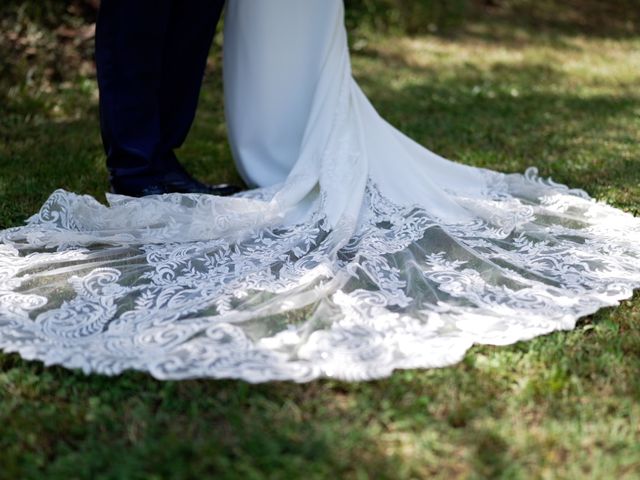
150 56
188 40
130 39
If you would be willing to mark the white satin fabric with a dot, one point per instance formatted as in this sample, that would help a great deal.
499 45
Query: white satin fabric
290 99
361 252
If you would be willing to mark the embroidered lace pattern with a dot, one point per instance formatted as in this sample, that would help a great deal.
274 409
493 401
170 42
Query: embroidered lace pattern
183 288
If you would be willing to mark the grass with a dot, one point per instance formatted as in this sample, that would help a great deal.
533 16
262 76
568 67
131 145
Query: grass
496 93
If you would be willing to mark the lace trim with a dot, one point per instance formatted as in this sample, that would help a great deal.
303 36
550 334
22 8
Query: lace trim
298 302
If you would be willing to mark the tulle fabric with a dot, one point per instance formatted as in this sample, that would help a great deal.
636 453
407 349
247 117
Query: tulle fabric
359 253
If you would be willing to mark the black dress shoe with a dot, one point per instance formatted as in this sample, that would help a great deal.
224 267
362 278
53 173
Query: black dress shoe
175 181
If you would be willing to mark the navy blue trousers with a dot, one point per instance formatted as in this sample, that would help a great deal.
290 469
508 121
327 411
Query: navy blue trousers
150 57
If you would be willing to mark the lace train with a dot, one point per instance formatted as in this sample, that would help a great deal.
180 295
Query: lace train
295 302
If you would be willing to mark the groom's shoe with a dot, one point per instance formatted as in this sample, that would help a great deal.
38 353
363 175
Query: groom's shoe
175 181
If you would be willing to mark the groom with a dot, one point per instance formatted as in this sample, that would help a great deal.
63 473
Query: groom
150 57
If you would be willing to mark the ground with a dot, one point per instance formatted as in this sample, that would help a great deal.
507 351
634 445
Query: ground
498 93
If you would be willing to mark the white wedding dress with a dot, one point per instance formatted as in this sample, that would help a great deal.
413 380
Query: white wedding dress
361 252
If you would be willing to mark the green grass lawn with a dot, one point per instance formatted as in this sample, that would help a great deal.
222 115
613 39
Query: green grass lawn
496 93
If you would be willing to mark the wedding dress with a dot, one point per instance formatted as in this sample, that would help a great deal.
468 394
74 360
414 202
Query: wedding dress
360 252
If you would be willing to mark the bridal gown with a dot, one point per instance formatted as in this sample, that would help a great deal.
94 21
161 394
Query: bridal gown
358 252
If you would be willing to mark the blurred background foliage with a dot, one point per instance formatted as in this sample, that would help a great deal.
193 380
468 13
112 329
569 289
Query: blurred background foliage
44 43
407 16
45 40
46 46
414 17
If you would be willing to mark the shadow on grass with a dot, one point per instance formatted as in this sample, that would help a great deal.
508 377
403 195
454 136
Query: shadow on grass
74 424
550 21
66 423
446 422
43 156
597 19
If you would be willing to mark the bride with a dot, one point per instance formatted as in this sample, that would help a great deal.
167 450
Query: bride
358 252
